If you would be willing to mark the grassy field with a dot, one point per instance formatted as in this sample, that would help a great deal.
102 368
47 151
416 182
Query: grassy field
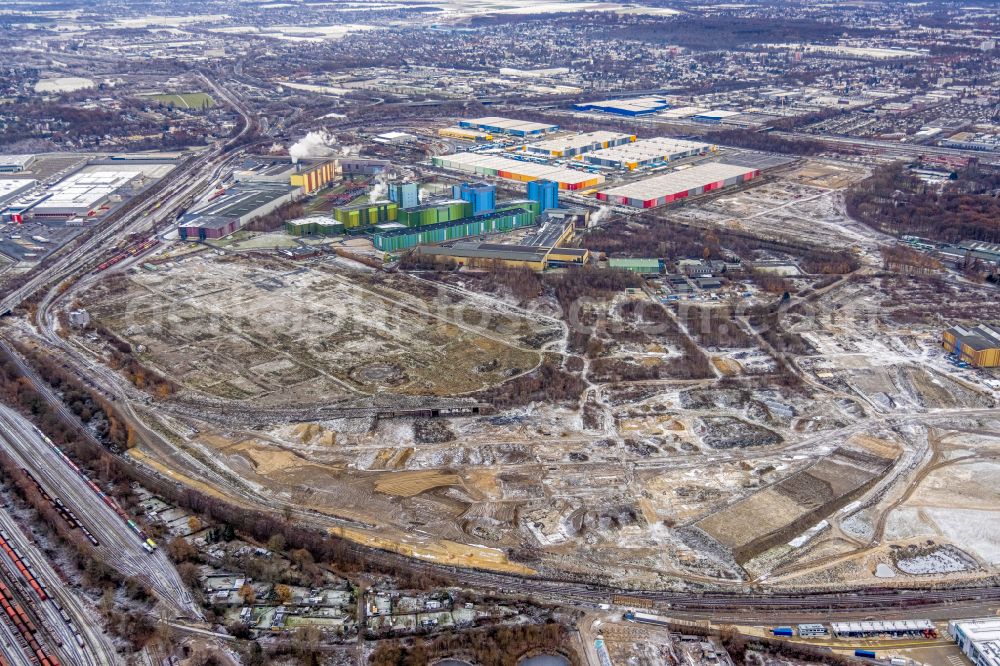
186 100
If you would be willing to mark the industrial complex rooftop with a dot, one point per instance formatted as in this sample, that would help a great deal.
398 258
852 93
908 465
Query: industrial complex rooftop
15 163
243 199
576 144
648 151
503 167
14 187
638 106
660 190
503 252
979 639
84 191
500 125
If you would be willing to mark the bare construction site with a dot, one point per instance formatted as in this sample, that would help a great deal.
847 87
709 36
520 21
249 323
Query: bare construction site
574 422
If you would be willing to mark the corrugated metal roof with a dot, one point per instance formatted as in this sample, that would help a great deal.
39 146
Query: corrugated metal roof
678 181
650 149
634 263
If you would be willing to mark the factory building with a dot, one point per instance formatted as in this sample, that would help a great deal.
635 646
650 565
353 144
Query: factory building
434 212
967 251
651 266
890 628
714 117
487 255
229 212
207 227
366 214
676 185
510 169
505 219
464 134
497 125
545 192
978 639
406 195
482 196
358 166
11 189
638 106
317 225
84 193
16 163
577 144
978 346
648 152
313 177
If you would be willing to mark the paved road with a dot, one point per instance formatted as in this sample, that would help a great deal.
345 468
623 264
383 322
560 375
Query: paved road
120 546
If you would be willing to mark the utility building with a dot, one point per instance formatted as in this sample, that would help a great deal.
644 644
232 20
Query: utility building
16 163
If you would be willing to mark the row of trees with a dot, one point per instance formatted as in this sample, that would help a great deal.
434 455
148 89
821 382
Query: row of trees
894 201
492 646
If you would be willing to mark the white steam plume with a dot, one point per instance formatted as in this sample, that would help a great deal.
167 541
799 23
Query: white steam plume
380 189
599 216
315 144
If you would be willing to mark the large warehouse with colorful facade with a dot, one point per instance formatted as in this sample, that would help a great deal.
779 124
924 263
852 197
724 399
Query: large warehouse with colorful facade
576 144
648 152
497 125
497 166
661 190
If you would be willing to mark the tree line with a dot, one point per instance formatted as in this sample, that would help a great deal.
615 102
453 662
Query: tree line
895 201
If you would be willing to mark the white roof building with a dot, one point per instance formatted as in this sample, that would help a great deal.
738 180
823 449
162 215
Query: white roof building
84 192
979 639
